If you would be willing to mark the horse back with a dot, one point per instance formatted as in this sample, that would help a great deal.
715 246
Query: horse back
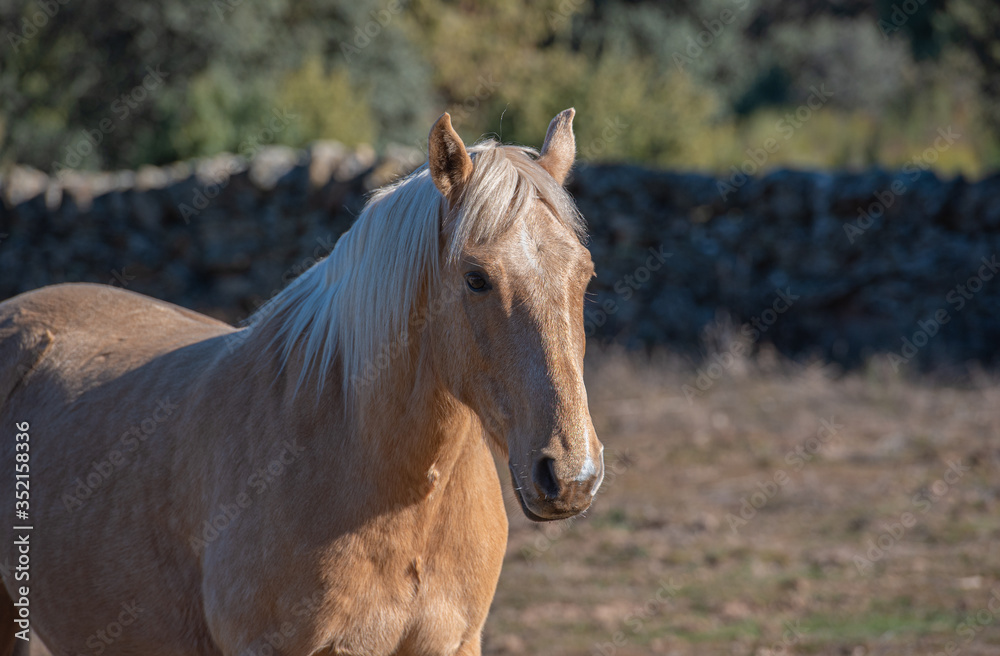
93 332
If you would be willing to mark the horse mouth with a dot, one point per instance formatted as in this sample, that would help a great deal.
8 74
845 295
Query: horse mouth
524 507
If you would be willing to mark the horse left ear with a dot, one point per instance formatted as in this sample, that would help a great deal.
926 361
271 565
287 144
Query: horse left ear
559 149
447 159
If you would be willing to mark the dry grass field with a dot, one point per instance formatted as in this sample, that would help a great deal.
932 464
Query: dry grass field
871 521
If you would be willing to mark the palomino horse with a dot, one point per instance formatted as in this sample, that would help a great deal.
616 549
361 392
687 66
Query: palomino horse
319 482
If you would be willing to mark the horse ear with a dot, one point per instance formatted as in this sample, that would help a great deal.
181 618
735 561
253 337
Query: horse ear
449 163
559 149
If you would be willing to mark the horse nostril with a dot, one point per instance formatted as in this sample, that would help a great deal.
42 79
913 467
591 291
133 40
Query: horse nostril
544 477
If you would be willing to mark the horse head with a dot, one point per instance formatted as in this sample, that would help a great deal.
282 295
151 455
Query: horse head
513 348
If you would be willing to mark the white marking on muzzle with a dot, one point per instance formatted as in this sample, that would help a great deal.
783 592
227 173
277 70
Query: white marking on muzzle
588 471
589 468
597 485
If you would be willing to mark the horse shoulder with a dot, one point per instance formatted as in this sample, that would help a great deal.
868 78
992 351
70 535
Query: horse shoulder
21 351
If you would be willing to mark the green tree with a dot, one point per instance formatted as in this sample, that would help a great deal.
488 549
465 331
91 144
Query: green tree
222 65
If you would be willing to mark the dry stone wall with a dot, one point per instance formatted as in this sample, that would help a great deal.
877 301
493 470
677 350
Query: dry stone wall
840 265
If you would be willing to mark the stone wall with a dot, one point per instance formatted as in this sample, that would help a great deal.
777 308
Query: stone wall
840 265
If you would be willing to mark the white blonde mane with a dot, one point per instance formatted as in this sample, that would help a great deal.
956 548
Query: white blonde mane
357 303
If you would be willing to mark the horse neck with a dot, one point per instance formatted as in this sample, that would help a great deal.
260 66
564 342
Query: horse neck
394 447
415 433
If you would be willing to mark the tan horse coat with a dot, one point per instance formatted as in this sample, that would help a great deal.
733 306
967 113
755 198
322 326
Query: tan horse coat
191 496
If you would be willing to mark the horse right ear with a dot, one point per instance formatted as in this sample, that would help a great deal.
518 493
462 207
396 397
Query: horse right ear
449 163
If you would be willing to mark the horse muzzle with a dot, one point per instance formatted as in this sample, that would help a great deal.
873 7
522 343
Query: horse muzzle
547 497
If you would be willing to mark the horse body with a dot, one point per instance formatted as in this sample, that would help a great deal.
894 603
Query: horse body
196 496
365 583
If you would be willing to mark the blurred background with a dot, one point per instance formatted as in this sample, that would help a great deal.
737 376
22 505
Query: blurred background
794 211
703 78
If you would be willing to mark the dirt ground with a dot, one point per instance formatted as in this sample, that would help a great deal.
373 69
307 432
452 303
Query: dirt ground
787 509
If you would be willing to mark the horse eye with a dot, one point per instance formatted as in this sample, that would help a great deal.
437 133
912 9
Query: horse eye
476 282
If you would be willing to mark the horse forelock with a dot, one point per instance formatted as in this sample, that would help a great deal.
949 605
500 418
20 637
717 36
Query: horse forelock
356 304
504 185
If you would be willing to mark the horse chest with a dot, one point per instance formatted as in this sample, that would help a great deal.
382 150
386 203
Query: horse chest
402 604
440 626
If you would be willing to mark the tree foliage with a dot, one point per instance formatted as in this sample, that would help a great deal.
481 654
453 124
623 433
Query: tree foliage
689 84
